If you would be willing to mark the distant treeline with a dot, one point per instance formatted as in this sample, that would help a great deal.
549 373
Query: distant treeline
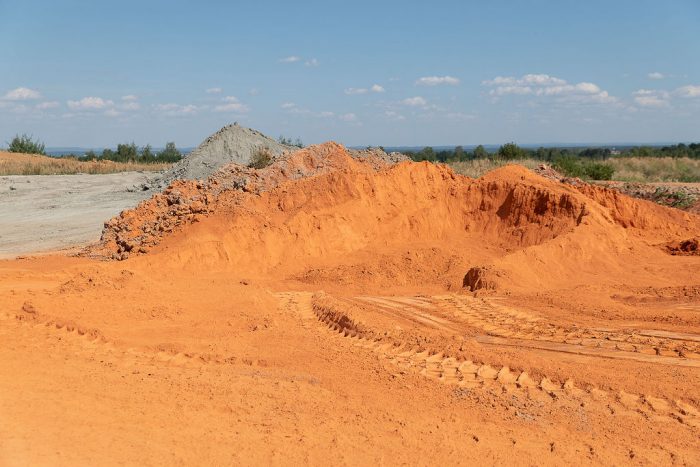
512 151
129 152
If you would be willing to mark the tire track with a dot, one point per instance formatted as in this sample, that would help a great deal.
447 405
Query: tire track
92 343
437 366
500 321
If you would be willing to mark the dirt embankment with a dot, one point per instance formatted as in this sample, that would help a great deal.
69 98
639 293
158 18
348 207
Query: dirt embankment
519 228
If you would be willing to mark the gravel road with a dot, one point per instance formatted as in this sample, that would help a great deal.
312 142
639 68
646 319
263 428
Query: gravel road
41 213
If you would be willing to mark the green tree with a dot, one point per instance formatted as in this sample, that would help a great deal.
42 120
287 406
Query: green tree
480 152
511 151
459 153
169 154
426 154
127 152
27 145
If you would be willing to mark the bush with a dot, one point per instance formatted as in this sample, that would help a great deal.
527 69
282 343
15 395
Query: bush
26 145
288 141
598 171
573 166
261 159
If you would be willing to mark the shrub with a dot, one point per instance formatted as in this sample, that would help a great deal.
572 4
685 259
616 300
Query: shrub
261 159
598 171
569 166
27 145
573 166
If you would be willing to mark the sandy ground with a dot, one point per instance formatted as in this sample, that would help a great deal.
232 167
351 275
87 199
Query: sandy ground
400 315
52 212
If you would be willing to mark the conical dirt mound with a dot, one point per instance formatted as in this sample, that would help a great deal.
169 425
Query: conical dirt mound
231 144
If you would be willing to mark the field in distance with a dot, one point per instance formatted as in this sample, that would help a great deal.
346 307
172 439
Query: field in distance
31 164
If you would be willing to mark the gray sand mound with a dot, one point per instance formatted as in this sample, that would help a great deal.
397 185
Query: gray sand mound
231 144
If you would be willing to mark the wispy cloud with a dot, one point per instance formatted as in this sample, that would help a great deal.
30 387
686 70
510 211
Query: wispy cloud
290 59
130 98
22 94
543 85
231 104
437 80
176 110
656 75
47 105
416 101
90 103
374 88
312 62
688 91
214 91
651 98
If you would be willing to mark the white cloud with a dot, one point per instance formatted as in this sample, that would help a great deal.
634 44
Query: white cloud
21 94
353 91
437 80
47 105
374 88
288 105
529 79
176 110
112 113
290 59
214 91
90 103
348 117
460 116
311 62
254 91
656 75
546 85
130 106
417 101
130 98
651 98
232 104
393 115
688 91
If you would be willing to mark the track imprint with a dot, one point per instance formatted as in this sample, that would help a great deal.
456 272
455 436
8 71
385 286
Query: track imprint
469 374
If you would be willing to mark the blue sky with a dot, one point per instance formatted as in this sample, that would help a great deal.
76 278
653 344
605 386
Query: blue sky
95 73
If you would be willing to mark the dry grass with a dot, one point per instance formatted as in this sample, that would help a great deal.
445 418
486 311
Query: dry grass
656 169
478 167
26 164
627 169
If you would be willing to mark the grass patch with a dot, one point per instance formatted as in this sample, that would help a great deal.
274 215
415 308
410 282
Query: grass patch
477 167
656 169
23 164
261 159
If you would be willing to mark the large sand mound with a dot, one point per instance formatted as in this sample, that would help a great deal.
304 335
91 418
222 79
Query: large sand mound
318 215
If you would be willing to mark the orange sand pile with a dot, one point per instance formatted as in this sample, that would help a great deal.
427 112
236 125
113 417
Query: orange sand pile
327 303
320 216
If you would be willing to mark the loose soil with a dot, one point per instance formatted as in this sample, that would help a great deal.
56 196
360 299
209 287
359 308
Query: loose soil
362 310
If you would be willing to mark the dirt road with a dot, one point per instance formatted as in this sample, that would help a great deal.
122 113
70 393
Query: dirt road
53 212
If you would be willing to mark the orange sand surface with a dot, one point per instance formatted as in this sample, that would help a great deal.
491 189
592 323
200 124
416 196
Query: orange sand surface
328 310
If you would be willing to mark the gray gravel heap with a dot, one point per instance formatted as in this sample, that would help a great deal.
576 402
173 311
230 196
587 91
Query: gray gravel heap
232 143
